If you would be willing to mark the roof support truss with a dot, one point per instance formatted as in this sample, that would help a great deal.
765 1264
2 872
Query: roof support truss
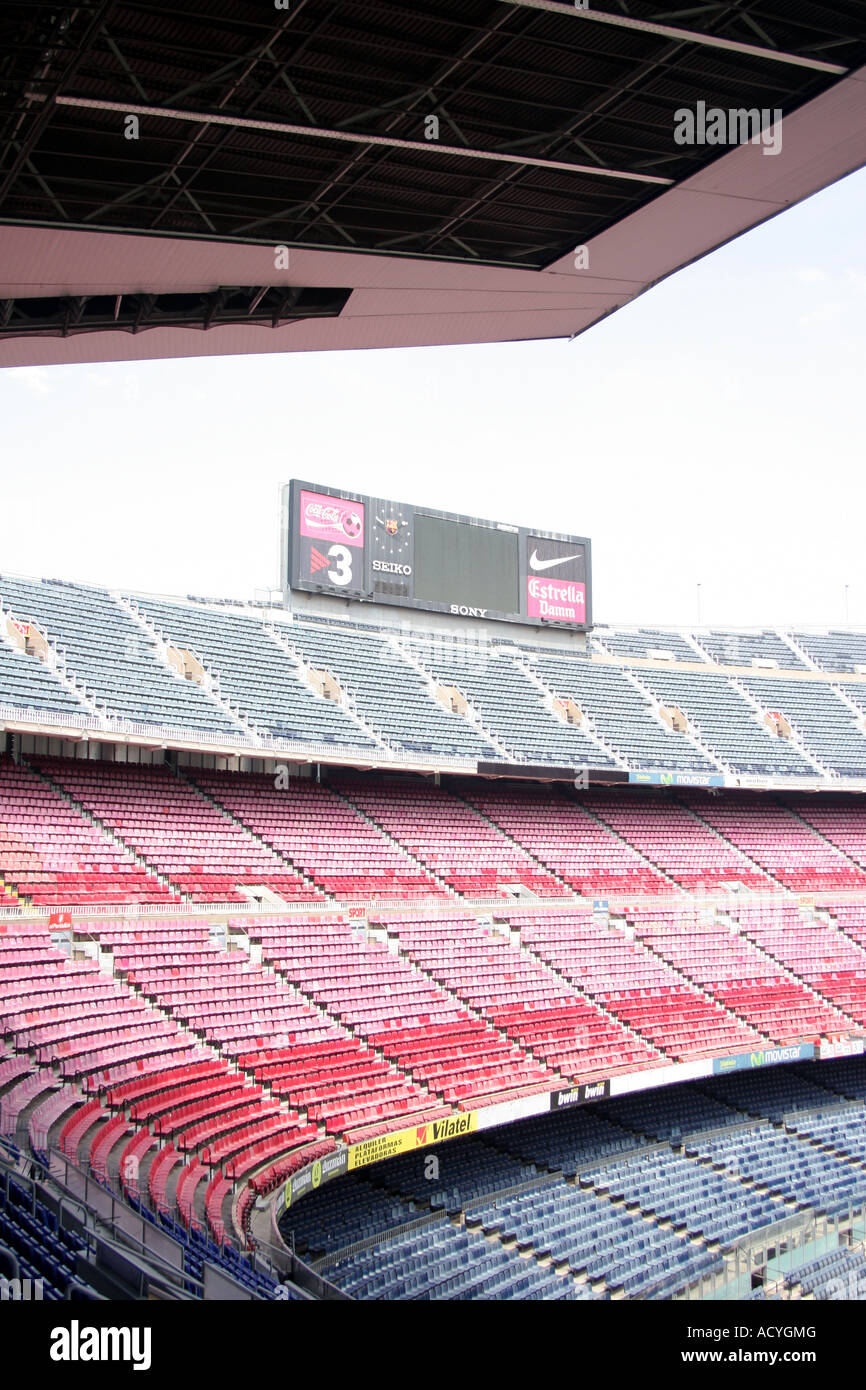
668 31
205 118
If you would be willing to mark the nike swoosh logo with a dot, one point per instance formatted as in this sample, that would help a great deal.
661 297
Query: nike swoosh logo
536 564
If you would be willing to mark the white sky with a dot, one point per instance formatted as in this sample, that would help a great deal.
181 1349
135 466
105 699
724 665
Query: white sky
711 431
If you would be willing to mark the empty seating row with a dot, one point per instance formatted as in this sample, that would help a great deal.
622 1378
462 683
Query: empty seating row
110 656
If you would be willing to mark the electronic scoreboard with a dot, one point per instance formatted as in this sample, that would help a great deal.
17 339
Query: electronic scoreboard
376 550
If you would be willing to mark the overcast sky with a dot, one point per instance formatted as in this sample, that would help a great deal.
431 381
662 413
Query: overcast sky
711 432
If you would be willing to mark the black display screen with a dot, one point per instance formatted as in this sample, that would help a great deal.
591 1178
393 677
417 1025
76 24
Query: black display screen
474 566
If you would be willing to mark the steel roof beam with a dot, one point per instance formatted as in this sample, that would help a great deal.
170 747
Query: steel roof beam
206 118
668 31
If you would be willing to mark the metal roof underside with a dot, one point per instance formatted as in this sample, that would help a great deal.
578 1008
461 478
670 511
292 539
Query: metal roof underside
464 146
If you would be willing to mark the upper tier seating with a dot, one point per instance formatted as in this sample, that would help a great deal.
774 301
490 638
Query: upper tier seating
389 693
27 684
855 693
110 654
643 641
622 715
834 651
828 728
391 690
254 673
726 722
744 648
510 705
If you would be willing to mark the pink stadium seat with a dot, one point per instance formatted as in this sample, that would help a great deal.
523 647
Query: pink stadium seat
193 1068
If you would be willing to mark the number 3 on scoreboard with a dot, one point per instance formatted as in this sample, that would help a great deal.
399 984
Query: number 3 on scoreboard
342 572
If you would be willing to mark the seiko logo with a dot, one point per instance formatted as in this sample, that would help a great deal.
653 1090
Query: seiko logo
387 567
468 612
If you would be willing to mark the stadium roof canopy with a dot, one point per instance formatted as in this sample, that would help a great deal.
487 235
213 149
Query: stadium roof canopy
307 126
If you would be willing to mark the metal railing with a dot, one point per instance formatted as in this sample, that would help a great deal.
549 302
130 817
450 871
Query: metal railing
35 721
26 720
616 906
102 1214
774 1252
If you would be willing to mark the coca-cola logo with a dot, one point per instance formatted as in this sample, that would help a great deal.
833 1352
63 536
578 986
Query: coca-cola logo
318 515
